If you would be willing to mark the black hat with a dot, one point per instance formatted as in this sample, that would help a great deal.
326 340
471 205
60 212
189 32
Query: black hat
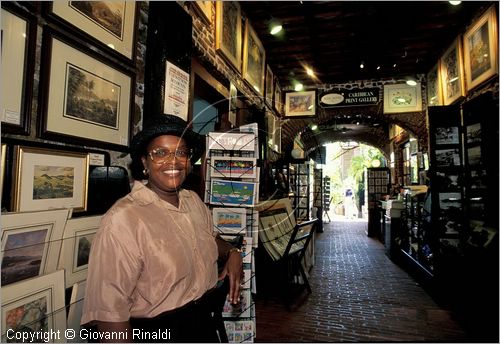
162 125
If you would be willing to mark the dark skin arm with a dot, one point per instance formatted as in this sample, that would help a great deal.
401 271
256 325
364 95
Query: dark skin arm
233 268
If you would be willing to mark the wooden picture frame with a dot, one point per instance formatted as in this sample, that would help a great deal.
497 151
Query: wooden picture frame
452 72
434 90
31 243
254 59
116 31
229 220
233 167
35 305
75 81
49 179
269 87
204 8
300 104
228 32
400 98
233 193
77 240
278 99
481 40
18 68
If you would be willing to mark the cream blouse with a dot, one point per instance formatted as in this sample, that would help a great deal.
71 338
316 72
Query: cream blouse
149 257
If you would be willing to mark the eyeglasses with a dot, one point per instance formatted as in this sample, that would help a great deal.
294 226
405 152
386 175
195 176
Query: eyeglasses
160 155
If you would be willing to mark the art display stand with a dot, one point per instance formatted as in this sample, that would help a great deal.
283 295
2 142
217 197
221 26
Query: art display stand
378 182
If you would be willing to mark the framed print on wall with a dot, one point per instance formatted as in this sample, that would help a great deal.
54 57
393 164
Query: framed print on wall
3 159
452 72
269 86
31 243
49 179
300 104
112 23
254 58
481 49
399 98
277 99
228 31
204 8
35 306
85 99
434 92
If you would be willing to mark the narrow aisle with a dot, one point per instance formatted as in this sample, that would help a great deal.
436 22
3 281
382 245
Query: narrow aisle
358 295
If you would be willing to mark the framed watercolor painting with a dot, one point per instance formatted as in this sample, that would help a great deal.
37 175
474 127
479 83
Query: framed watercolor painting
35 306
204 8
452 73
434 92
112 23
229 220
49 179
233 167
254 58
31 243
300 104
228 32
269 86
399 98
233 193
77 240
18 63
85 99
481 49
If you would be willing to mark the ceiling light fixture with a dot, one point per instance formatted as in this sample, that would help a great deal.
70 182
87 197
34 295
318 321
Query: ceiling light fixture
309 72
455 3
394 65
298 87
314 127
275 29
411 82
362 65
378 67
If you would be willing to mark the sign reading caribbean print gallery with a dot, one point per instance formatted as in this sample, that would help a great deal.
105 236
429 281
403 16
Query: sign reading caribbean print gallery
352 97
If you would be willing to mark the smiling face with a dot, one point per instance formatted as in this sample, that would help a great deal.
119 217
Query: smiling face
166 173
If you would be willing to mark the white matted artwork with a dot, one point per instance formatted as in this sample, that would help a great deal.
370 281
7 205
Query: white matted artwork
35 305
77 240
31 243
233 167
400 98
76 307
176 91
233 193
229 220
231 141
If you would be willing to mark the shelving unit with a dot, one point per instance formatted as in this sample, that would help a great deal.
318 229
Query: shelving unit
378 182
301 186
318 197
326 196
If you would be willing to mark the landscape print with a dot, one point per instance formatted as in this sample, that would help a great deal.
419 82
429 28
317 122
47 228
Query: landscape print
83 251
107 14
51 182
232 193
22 255
30 317
91 98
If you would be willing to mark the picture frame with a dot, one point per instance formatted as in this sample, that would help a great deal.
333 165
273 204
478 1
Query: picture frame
111 24
228 32
233 104
452 72
229 220
447 157
233 167
76 305
300 104
278 99
3 160
36 305
447 135
269 86
480 40
254 59
49 179
434 90
233 193
401 98
277 134
18 66
204 8
77 240
76 79
31 243
231 141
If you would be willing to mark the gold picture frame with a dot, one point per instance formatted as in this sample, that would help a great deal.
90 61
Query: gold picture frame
481 41
278 98
254 59
204 8
49 179
269 86
434 91
300 104
452 72
228 32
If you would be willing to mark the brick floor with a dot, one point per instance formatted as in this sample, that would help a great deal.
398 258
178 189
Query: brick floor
359 295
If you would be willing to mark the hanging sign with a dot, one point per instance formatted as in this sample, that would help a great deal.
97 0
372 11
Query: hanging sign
352 97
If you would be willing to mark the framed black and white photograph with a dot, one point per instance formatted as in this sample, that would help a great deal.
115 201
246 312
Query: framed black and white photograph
478 179
447 157
447 135
448 181
449 200
474 133
474 155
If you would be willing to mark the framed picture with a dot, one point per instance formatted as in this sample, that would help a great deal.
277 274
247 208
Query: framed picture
481 49
76 305
2 168
112 23
231 141
233 167
31 243
277 99
254 58
230 220
35 306
269 86
399 98
49 179
85 98
228 31
233 103
452 72
473 133
447 157
300 104
18 63
233 193
270 129
447 135
434 91
204 8
77 240
277 135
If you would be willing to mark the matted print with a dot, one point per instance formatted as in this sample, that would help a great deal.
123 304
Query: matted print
253 60
229 220
452 73
474 133
228 192
400 98
447 135
233 167
447 157
299 104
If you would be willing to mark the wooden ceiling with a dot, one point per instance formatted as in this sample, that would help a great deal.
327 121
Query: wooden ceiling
334 37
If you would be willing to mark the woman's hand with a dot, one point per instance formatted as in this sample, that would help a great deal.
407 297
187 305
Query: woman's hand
233 269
